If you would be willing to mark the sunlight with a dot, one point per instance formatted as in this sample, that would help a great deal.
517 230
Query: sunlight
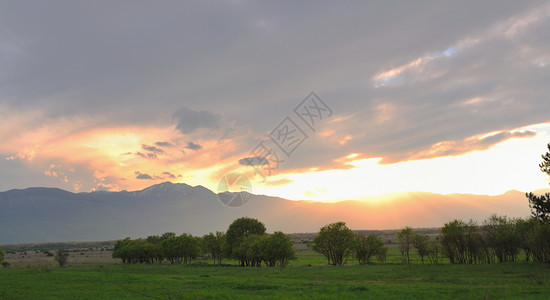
512 164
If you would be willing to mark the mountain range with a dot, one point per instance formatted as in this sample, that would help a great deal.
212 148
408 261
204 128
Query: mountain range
35 215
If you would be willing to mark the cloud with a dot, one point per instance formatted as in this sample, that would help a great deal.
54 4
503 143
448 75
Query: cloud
151 148
164 144
254 161
142 176
164 175
168 175
453 148
393 102
147 155
189 121
193 146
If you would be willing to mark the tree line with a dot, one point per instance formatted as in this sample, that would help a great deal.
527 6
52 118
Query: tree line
246 241
498 239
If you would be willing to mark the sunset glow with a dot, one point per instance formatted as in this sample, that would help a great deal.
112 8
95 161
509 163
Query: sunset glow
463 112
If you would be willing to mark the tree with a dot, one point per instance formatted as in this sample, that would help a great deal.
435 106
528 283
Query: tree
545 164
540 205
501 237
4 264
366 247
181 249
334 242
61 256
213 244
273 250
466 243
539 242
434 250
237 232
381 254
421 243
121 250
405 239
279 249
523 229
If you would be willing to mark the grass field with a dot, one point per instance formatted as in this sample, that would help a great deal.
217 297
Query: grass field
307 277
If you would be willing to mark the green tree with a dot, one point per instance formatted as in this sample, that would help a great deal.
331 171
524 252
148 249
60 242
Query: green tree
434 250
545 164
453 241
191 247
382 254
523 229
421 243
61 256
501 238
213 244
538 239
366 247
237 232
540 205
334 242
279 250
250 250
181 249
5 264
405 239
122 250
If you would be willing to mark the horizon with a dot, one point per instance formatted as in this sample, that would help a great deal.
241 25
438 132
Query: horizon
180 212
541 190
383 102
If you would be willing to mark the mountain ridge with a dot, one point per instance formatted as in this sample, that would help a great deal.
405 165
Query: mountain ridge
53 215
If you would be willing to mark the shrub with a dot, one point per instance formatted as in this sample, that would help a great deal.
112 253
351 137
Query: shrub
366 247
61 256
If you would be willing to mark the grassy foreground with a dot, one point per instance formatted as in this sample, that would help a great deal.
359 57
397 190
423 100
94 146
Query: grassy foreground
376 281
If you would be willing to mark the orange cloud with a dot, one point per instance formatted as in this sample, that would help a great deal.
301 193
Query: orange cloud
454 148
108 157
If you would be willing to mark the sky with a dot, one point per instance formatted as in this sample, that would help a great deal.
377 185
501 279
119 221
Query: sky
307 100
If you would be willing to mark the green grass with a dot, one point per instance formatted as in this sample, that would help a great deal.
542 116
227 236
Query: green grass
374 281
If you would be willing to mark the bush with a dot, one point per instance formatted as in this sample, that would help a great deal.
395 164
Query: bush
61 256
366 247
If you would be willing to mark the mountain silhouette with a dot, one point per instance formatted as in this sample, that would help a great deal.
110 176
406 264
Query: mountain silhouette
36 215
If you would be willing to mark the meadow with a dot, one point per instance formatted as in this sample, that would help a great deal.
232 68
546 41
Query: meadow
94 275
